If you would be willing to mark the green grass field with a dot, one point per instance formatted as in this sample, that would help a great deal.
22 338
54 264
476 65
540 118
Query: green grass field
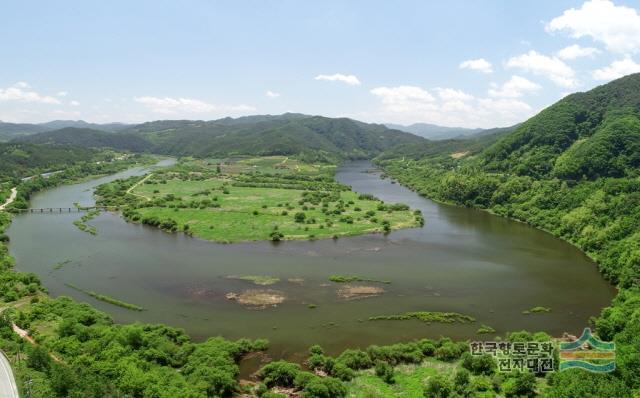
248 199
236 218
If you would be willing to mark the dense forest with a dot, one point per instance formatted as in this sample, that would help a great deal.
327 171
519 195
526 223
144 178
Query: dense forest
88 138
574 171
22 160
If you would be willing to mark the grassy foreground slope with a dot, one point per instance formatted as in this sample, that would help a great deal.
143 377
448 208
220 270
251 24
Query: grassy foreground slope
273 198
572 170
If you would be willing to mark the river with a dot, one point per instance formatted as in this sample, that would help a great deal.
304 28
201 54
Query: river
462 260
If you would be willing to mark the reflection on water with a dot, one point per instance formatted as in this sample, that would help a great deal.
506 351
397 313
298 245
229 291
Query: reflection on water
463 260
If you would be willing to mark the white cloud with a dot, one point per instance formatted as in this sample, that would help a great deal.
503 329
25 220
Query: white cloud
62 94
272 94
451 107
515 87
618 27
576 51
480 64
22 92
551 67
351 80
617 69
172 106
450 94
403 99
74 103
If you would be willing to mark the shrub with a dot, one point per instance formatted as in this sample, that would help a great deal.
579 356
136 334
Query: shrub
449 351
438 386
279 373
342 372
327 387
355 359
300 217
523 384
385 372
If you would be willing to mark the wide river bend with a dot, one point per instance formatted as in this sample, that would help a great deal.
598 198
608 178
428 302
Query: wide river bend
462 260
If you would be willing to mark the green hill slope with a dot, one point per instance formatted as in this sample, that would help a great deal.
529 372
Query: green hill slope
312 137
88 138
581 126
18 159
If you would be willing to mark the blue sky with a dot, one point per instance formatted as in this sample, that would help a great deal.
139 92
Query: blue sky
455 63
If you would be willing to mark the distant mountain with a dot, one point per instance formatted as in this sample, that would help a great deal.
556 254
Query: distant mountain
435 132
453 147
87 138
9 131
311 137
60 124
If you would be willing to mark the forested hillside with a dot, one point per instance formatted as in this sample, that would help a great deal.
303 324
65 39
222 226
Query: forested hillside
312 138
572 170
18 159
88 138
588 135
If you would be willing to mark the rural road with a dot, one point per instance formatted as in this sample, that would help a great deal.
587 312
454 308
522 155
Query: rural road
12 197
8 387
134 186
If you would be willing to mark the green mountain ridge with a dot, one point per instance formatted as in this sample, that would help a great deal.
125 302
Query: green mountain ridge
9 131
311 137
579 136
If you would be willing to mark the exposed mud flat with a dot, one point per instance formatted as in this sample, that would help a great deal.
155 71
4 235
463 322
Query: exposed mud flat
258 298
353 292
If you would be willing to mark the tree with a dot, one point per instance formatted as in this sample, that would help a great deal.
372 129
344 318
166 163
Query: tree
300 217
39 359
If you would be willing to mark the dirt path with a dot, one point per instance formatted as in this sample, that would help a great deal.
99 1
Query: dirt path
25 335
12 197
130 190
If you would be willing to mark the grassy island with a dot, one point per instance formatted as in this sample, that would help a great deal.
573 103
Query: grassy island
269 198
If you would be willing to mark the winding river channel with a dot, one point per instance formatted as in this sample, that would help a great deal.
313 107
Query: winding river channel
462 260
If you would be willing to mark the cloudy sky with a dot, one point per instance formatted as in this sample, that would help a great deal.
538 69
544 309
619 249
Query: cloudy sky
453 63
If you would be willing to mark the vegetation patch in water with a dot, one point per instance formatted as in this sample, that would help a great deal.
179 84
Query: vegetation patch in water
106 299
353 278
485 329
262 280
61 264
81 223
426 316
537 310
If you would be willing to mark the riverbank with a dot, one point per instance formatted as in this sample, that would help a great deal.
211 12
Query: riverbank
588 214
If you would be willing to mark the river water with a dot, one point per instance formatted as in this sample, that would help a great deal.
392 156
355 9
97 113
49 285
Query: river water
462 260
